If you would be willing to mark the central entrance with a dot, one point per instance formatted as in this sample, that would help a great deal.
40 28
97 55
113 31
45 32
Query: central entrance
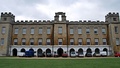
60 51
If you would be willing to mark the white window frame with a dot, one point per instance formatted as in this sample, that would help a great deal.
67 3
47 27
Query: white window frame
40 41
16 31
48 41
3 30
2 41
116 29
103 31
32 30
31 41
71 31
40 30
23 41
80 41
24 31
96 40
72 41
95 30
15 41
48 30
87 30
60 30
104 40
79 31
60 41
88 41
117 41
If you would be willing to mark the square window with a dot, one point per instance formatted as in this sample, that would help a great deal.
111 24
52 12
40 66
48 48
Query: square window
59 41
48 41
48 30
71 41
24 31
40 41
40 30
79 31
15 41
32 30
16 31
88 41
2 41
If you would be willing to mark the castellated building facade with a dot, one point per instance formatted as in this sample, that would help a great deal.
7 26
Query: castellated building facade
59 35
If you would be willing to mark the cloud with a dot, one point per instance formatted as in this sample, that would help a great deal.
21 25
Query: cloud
74 9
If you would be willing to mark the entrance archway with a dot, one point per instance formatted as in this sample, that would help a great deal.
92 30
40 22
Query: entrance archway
60 52
14 52
105 49
22 50
80 51
89 50
71 50
39 51
31 50
97 51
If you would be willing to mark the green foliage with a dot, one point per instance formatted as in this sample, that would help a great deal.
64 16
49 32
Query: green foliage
60 63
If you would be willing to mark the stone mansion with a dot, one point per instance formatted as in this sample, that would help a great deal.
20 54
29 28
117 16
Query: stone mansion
59 35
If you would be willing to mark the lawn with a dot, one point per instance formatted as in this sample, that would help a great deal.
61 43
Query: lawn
59 63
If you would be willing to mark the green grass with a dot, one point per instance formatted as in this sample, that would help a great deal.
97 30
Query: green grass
59 63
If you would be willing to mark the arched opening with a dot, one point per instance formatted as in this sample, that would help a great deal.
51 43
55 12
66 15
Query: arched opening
97 51
89 50
48 53
31 50
60 51
14 52
105 49
80 51
22 50
72 51
60 17
39 52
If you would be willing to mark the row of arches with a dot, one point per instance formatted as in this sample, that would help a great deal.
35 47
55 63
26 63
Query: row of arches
59 51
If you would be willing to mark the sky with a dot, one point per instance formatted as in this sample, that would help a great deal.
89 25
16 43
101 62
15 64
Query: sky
45 9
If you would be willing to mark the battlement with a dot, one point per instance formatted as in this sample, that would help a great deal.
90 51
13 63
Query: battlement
7 14
88 22
112 14
33 22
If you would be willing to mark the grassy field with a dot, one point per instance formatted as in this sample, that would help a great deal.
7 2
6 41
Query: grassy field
59 63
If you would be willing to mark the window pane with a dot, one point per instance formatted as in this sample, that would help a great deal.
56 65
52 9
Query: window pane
96 41
2 41
32 30
60 30
3 30
15 41
79 31
87 30
40 30
79 41
16 31
24 31
71 30
88 41
48 30
117 41
48 41
103 31
40 41
95 30
59 41
32 41
23 41
71 41
104 42
116 29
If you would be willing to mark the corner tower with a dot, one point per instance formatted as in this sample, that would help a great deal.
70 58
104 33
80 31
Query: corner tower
6 21
112 17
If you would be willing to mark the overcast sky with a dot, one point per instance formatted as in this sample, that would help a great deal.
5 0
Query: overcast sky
45 9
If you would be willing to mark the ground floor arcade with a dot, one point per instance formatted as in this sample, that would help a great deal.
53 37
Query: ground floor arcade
15 49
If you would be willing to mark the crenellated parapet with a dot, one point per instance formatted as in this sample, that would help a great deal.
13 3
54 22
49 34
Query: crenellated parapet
110 14
88 22
7 14
33 22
